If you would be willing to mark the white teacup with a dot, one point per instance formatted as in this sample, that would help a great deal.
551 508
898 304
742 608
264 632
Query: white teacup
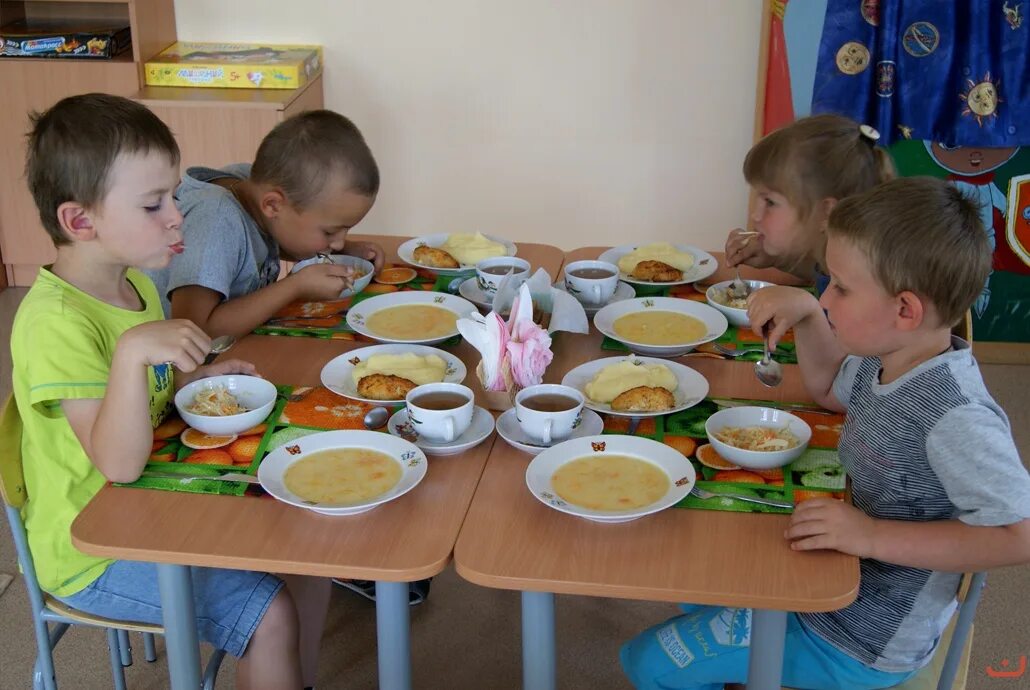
490 272
548 412
440 412
592 282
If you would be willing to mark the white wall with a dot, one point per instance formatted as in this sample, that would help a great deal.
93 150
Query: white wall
571 122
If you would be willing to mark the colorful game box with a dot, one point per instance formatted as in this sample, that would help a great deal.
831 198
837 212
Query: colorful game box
235 65
61 40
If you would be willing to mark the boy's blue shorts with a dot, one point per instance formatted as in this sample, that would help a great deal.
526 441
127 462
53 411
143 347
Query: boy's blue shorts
708 646
229 603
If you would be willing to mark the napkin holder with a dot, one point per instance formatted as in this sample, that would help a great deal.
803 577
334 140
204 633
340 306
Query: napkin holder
499 401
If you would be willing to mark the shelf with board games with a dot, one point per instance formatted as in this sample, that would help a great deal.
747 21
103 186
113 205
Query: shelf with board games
214 126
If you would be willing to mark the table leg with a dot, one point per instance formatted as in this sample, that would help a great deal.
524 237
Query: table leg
768 634
180 622
539 670
393 632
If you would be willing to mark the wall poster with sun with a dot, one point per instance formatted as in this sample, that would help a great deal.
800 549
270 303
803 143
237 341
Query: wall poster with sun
947 85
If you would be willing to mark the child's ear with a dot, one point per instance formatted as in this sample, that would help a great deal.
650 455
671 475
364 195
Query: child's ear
272 202
911 311
76 222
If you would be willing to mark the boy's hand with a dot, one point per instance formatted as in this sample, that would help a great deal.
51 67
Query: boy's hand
176 341
220 368
369 251
826 523
781 308
321 281
742 248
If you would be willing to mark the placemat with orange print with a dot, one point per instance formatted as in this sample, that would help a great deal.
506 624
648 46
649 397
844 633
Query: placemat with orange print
328 319
734 337
299 411
817 473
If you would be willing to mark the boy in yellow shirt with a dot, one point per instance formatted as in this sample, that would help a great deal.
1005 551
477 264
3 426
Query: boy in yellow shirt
93 375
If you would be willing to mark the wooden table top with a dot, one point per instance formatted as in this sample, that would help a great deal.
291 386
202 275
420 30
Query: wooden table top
410 538
510 540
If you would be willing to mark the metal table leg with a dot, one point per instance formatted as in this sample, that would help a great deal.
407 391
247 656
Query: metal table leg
768 635
393 632
539 669
180 621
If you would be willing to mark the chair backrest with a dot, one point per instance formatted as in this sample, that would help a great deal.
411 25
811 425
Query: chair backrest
12 480
964 328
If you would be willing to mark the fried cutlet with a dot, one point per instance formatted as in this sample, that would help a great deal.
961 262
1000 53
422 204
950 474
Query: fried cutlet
644 399
433 257
384 387
656 272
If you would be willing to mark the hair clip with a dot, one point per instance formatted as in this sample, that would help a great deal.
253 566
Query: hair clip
869 133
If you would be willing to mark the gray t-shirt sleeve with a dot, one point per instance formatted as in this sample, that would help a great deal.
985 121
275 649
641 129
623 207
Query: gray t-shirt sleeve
845 380
973 455
216 252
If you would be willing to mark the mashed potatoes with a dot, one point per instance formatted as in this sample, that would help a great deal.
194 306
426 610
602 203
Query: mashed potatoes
615 379
659 251
418 370
468 248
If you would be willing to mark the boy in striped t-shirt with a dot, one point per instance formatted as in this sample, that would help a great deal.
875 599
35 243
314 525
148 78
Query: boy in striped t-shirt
937 485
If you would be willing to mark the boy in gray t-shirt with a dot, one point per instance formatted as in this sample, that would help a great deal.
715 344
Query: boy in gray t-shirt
312 180
937 485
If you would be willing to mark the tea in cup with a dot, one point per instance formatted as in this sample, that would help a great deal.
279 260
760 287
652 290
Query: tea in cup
490 272
440 412
548 413
592 282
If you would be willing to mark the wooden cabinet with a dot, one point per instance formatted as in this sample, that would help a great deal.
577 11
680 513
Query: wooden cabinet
213 126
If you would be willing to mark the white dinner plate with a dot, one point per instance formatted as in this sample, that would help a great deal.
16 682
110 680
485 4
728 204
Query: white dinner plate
675 466
273 468
714 321
691 387
406 252
357 317
337 374
704 264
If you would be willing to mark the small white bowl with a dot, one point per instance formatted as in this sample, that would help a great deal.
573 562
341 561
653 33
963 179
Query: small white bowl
345 260
252 392
758 416
736 317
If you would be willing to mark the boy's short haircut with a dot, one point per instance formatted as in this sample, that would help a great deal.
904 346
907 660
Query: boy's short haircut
920 234
73 145
301 154
815 158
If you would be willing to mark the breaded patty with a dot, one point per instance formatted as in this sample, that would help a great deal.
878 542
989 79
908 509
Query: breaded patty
644 399
433 257
656 272
384 387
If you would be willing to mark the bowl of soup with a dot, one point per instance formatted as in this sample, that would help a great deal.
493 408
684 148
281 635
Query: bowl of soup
409 317
610 478
660 326
342 472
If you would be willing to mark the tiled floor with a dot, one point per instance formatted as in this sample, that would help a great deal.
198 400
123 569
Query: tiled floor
467 637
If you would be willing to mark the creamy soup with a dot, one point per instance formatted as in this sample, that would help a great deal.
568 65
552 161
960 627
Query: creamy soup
652 327
610 482
413 322
343 476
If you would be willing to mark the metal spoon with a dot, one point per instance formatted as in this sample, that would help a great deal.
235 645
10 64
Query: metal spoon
768 370
218 346
376 418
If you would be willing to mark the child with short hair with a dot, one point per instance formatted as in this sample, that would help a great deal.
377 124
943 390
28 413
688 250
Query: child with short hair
797 174
93 375
937 485
312 180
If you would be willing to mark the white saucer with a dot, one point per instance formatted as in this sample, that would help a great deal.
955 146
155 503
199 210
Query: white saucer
471 291
623 292
482 426
508 429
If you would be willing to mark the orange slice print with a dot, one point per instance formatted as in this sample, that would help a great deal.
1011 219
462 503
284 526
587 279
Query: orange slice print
198 440
209 457
684 444
738 476
708 457
169 428
243 450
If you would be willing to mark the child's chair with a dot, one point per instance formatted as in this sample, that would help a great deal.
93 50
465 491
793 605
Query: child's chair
47 609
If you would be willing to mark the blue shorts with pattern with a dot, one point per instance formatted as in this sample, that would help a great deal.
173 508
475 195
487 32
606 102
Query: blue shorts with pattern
229 603
708 646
